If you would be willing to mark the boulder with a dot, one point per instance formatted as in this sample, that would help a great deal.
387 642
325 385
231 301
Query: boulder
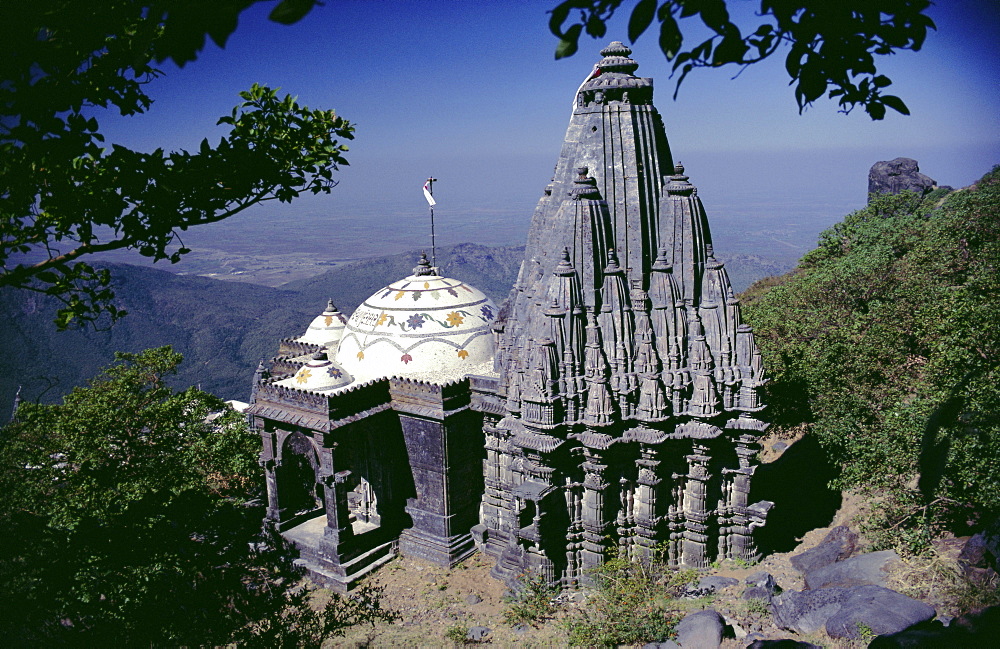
761 585
762 579
896 176
978 558
707 586
838 544
717 582
862 570
881 610
972 630
477 634
701 630
782 644
807 611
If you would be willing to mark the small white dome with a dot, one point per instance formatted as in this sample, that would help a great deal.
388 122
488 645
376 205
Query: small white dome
326 328
320 374
423 323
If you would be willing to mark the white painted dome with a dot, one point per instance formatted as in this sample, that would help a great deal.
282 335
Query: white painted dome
422 324
320 374
326 328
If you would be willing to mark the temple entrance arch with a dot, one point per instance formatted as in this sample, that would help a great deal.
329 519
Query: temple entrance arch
299 492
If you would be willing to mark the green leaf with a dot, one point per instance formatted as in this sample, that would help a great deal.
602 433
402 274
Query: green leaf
568 45
291 11
895 103
670 38
640 20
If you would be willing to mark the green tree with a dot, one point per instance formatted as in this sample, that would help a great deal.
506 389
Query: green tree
831 46
886 342
130 519
64 196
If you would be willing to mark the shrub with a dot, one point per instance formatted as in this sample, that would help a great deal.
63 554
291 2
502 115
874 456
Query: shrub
533 601
884 341
631 603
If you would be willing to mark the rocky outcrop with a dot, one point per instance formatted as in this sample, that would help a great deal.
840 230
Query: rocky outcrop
896 176
836 546
856 571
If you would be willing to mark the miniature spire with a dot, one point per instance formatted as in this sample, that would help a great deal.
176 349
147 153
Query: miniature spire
423 267
584 186
565 267
616 59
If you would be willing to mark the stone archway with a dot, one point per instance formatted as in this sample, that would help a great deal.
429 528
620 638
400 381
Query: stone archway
300 494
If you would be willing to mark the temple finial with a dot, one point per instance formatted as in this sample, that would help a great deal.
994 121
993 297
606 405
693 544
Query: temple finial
423 267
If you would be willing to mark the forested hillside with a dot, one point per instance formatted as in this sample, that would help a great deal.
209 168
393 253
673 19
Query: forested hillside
885 343
221 328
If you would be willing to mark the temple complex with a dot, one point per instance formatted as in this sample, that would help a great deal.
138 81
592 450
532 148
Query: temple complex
608 407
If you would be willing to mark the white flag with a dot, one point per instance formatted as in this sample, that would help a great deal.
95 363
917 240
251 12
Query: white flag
428 195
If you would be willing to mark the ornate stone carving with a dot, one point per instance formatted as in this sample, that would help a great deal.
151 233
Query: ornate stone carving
623 342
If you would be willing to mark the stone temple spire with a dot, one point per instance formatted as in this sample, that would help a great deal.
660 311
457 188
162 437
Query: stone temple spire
627 385
616 132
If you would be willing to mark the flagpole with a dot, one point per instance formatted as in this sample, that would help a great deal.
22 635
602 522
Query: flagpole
430 190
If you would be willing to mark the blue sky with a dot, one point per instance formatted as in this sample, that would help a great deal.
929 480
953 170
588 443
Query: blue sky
470 93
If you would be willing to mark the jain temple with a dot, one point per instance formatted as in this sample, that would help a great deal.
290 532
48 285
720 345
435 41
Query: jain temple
609 405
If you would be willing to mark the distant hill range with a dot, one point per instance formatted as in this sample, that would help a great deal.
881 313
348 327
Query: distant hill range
224 328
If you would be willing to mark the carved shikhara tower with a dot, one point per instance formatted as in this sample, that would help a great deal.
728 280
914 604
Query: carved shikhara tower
621 414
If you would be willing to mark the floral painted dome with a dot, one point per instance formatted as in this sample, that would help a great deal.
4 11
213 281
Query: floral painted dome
422 324
320 374
326 328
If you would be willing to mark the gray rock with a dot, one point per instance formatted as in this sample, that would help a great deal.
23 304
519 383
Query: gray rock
899 175
701 630
762 579
974 630
807 611
882 610
979 555
521 629
666 644
707 586
837 546
758 592
861 570
717 582
779 446
782 644
478 633
473 599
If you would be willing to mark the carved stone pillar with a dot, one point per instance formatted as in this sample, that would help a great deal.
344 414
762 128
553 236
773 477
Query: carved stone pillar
338 529
594 520
648 504
695 513
741 545
267 461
